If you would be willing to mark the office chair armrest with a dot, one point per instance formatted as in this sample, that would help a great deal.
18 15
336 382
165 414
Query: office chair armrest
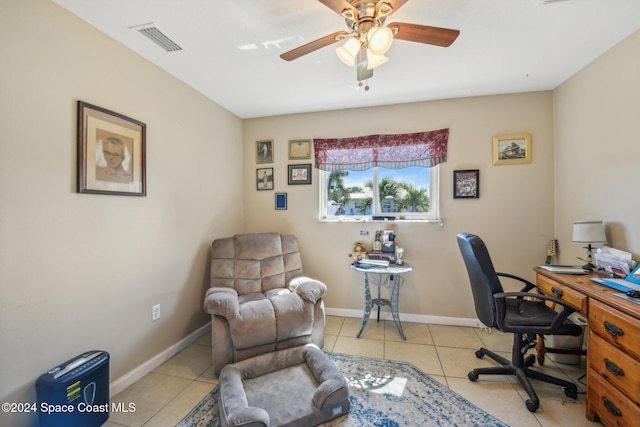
557 321
527 284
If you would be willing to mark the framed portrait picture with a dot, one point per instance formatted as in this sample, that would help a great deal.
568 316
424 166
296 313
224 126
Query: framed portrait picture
512 149
466 184
264 179
299 149
264 151
111 152
281 201
299 174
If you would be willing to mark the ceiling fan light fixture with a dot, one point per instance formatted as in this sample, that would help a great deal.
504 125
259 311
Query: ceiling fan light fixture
348 51
374 60
380 39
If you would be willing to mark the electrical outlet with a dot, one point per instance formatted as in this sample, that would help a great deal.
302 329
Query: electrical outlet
364 232
155 312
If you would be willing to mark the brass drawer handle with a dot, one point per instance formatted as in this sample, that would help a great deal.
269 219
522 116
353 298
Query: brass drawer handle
613 368
611 407
612 329
557 292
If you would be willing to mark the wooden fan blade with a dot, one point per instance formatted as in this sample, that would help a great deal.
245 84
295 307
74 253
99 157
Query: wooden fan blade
312 46
339 5
425 34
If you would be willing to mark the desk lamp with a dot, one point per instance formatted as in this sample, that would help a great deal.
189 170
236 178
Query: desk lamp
589 232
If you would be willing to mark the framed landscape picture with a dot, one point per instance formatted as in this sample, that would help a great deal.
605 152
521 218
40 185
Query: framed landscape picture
111 152
466 184
512 149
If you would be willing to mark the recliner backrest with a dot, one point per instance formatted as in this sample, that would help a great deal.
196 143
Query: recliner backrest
255 262
482 275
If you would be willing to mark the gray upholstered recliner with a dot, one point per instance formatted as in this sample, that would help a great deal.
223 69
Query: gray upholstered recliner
259 299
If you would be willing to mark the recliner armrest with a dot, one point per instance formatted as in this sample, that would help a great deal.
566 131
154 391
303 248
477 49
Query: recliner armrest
309 289
222 302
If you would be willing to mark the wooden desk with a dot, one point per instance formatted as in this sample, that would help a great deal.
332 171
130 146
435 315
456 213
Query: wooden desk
613 357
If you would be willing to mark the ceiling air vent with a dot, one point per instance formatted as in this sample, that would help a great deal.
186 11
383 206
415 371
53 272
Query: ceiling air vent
158 37
546 2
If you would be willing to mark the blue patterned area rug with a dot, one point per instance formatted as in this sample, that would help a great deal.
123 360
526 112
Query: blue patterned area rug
383 393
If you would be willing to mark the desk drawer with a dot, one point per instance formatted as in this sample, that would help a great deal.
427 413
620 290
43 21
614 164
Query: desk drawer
618 329
574 298
619 369
612 407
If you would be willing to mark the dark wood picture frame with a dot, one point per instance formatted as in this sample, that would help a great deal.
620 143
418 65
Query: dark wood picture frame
264 179
466 184
299 174
111 152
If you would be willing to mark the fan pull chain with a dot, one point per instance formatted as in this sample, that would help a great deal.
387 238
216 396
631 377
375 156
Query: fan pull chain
366 86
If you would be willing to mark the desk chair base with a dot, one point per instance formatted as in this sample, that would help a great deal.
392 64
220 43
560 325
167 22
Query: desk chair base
520 369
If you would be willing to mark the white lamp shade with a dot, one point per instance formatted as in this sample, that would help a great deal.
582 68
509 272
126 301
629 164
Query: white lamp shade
589 232
380 39
374 61
348 51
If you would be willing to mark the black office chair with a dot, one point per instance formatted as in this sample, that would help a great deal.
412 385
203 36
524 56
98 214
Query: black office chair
522 313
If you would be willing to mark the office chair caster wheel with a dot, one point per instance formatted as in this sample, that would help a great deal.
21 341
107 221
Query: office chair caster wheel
571 392
479 354
531 405
472 376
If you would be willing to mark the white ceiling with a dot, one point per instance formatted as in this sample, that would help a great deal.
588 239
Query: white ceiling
231 49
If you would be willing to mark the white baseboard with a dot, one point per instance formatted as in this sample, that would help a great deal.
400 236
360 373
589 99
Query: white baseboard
407 317
140 371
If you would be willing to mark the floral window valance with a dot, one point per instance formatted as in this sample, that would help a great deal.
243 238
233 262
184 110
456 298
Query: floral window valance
425 149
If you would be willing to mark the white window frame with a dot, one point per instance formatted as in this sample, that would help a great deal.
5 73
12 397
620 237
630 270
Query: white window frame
433 215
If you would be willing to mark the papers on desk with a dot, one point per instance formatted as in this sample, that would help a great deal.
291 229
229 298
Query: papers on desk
614 261
563 269
631 282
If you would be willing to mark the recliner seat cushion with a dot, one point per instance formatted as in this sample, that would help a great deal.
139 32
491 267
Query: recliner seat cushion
255 326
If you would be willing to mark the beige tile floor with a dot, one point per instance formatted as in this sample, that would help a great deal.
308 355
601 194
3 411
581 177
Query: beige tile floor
446 353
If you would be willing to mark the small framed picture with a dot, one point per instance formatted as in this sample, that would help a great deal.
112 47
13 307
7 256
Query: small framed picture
466 184
299 149
512 149
299 174
281 201
264 151
264 179
111 152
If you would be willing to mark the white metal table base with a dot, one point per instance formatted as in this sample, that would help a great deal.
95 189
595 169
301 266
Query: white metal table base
369 303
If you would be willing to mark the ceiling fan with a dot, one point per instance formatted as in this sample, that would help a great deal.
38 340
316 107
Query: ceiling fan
368 38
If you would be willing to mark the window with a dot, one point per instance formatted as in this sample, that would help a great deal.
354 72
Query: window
409 193
381 175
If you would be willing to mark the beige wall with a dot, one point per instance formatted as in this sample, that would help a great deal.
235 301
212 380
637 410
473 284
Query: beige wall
81 272
78 271
514 213
597 174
